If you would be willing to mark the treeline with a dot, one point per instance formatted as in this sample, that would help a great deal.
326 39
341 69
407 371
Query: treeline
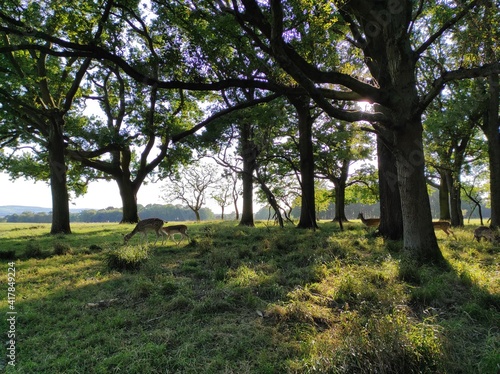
167 212
179 213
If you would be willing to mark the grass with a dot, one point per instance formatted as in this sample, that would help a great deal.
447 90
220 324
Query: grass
248 300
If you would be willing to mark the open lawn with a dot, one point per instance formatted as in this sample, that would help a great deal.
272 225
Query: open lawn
245 300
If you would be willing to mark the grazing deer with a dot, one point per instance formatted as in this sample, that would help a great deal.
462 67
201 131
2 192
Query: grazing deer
487 233
170 231
144 226
445 226
370 222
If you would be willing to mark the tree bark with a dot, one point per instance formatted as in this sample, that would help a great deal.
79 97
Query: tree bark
418 232
197 214
444 195
491 129
340 187
235 200
391 220
392 62
249 156
272 201
307 210
128 193
58 184
457 218
340 201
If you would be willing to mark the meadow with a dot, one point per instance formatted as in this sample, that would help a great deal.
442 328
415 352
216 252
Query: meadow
245 300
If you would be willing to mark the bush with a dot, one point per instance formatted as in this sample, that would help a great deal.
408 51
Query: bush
33 250
127 258
61 249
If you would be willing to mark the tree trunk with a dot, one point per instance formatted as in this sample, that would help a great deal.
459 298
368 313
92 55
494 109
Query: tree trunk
491 130
235 201
307 210
418 232
128 193
444 202
58 185
249 156
272 202
391 60
197 214
340 186
391 219
457 219
236 211
340 201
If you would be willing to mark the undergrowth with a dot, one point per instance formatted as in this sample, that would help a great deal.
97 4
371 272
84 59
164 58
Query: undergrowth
249 300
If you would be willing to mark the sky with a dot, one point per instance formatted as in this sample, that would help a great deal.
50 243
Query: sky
100 194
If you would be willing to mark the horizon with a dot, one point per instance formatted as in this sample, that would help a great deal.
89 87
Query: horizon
100 195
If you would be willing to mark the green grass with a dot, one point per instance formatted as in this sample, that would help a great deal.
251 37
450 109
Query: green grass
247 300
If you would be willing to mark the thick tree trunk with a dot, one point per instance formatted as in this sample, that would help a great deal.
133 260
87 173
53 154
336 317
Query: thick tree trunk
128 193
58 185
418 232
249 156
391 219
492 132
307 210
391 60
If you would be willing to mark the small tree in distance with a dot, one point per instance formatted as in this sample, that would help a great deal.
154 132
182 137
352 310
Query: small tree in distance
223 194
190 186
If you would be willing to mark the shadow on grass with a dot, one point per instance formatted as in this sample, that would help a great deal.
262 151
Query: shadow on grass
254 300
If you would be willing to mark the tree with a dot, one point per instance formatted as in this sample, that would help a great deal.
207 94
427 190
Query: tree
338 145
305 121
223 194
38 91
139 121
452 141
383 33
141 61
190 186
483 34
475 188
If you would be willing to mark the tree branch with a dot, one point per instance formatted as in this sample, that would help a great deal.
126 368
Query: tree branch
454 75
447 25
178 137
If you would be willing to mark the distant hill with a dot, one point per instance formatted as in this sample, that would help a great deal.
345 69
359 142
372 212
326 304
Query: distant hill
7 210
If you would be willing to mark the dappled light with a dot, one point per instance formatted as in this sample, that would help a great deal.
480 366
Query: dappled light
264 298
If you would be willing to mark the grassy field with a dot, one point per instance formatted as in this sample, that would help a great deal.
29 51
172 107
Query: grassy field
245 300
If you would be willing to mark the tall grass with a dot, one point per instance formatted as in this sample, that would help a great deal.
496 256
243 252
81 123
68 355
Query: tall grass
248 300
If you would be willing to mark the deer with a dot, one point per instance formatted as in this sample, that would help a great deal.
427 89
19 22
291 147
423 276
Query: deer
170 231
370 222
445 226
144 226
487 233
